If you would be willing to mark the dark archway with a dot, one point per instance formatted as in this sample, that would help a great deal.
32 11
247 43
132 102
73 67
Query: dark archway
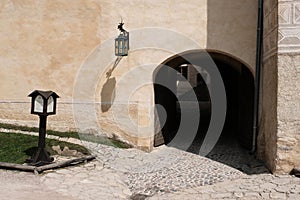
239 86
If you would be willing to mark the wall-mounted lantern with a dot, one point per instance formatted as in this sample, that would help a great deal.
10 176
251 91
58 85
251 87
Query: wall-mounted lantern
122 42
43 103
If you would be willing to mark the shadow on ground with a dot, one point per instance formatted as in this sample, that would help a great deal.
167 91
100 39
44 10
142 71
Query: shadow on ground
229 152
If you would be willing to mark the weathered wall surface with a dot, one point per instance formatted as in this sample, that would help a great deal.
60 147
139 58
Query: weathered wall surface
288 108
267 138
278 141
288 112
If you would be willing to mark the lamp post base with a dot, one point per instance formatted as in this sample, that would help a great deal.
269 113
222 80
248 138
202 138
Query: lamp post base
41 157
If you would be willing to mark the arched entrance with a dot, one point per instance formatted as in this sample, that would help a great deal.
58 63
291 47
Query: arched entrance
239 87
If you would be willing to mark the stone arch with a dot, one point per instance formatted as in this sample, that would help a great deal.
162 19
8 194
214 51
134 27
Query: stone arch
239 86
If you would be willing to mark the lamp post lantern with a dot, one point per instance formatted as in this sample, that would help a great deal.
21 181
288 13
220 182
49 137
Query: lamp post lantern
122 41
43 103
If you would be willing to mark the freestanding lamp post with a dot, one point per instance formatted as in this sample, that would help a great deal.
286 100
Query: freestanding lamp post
43 103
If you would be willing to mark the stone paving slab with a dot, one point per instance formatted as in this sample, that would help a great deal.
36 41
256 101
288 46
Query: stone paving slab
90 181
25 186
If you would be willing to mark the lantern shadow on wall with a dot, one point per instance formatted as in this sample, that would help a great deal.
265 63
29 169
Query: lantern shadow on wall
108 91
108 94
121 47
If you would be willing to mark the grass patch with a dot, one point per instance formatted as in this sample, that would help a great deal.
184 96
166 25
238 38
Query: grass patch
16 148
69 134
72 134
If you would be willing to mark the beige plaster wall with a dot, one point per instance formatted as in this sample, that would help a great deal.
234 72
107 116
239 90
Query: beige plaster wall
50 44
231 28
45 44
224 26
185 17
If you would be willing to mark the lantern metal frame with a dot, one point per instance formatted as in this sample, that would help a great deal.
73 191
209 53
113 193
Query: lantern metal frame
122 42
46 96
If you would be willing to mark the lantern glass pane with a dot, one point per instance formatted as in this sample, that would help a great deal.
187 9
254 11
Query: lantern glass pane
50 106
126 47
38 104
116 46
120 47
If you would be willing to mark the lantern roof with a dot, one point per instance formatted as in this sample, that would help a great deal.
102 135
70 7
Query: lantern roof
45 94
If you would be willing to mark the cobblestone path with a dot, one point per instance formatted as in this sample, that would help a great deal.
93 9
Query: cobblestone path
165 173
165 169
263 186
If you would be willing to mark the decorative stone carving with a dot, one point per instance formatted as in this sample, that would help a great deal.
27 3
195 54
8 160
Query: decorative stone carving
289 26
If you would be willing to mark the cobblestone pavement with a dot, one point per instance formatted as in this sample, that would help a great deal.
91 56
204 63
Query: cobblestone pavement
232 154
265 186
164 170
165 173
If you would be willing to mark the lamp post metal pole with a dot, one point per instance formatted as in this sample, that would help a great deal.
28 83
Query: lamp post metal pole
42 131
42 157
